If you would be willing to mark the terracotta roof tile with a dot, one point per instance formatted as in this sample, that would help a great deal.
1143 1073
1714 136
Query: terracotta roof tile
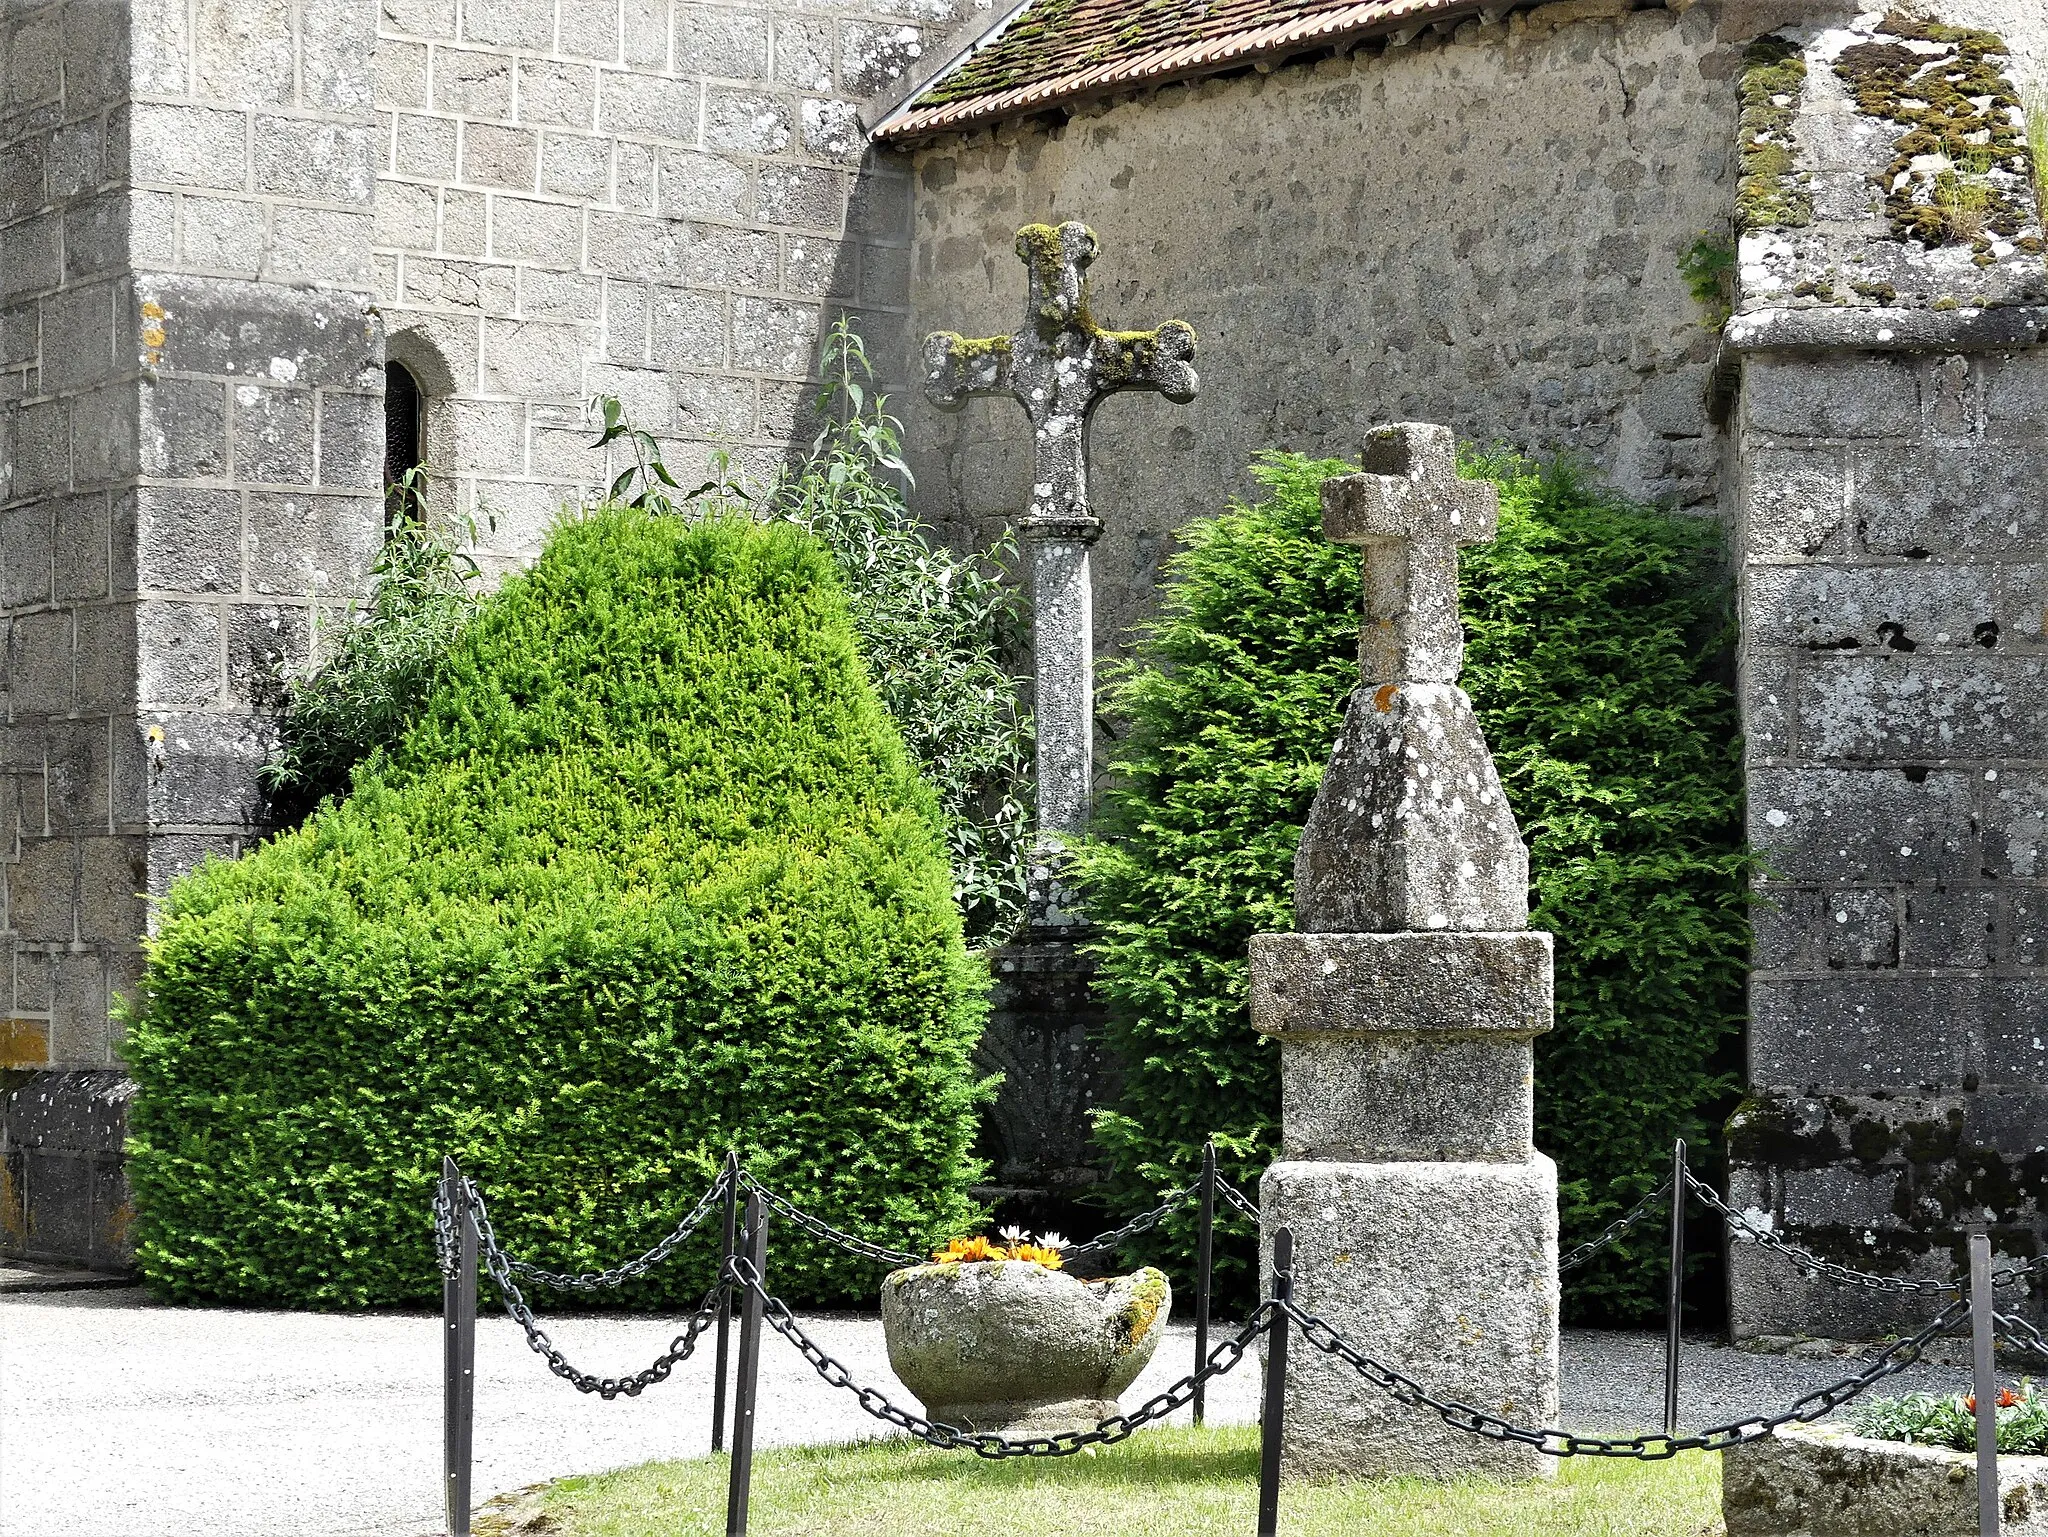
1055 50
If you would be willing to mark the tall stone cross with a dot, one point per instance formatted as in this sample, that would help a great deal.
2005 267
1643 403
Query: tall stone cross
1060 365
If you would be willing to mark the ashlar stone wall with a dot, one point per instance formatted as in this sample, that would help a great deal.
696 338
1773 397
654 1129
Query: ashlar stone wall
664 202
1481 229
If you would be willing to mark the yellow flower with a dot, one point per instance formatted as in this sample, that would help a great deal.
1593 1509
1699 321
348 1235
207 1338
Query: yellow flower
1051 1259
966 1251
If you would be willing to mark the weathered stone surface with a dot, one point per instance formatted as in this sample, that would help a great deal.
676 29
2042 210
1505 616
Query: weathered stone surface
1060 365
1435 984
62 1195
1464 1304
1044 1037
1008 1345
1822 1481
1410 828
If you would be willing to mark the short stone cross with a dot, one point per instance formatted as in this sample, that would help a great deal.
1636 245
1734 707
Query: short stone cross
1409 511
1060 365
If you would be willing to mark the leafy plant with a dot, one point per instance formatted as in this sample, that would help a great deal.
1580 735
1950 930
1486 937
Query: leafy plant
1708 267
374 672
1950 1419
2034 102
1598 663
651 878
646 483
934 626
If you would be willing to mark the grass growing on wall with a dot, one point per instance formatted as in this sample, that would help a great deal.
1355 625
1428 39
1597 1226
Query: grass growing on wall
1596 660
651 877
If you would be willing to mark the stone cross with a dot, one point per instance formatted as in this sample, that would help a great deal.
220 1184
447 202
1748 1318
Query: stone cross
1410 512
1060 365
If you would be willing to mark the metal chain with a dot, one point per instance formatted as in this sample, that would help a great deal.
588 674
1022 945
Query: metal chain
2021 1333
594 1280
1831 1270
444 1232
1616 1228
1645 1448
1144 1222
985 1443
819 1228
1238 1198
499 1266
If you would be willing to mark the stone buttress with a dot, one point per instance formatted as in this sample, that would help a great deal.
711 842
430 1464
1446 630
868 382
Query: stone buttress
1424 1220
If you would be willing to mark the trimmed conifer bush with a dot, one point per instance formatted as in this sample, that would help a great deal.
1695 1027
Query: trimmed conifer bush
1597 663
651 878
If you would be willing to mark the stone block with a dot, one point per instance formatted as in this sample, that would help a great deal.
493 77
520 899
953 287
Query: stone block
1928 500
714 406
39 664
644 32
748 122
178 657
1843 1031
560 295
78 1011
471 83
494 156
805 51
104 667
626 314
465 223
309 158
1435 984
832 130
312 545
1864 826
802 196
634 176
113 874
42 890
420 18
732 258
223 235
723 44
264 332
1915 708
1897 607
80 547
589 29
557 94
337 55
1794 503
689 328
273 434
351 440
576 165
74 161
1952 927
67 1202
423 147
204 770
2016 1043
186 146
242 51
1436 1098
1859 929
817 268
875 55
80 323
510 23
188 539
2026 928
1444 1271
25 555
524 230
1870 395
647 106
485 435
2016 398
624 245
774 336
1823 1481
96 237
1410 828
533 358
1766 686
697 185
30 256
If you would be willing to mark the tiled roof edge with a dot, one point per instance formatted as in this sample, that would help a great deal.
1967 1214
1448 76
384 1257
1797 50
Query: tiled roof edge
1160 66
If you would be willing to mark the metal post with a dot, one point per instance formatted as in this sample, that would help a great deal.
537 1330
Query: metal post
1204 1237
1981 1304
1674 1302
458 1354
741 1476
1270 1420
725 1250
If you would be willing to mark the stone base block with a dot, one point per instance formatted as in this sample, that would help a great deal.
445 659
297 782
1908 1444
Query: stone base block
1821 1481
1446 1272
63 1196
1044 1037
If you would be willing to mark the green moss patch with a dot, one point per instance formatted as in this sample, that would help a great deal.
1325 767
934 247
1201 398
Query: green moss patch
1769 195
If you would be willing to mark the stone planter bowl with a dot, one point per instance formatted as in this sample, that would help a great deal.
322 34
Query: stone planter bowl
1822 1481
1008 1345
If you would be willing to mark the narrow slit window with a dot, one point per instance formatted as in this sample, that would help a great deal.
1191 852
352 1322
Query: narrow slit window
402 418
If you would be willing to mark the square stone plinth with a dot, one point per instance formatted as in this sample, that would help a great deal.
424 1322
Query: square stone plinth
1446 1272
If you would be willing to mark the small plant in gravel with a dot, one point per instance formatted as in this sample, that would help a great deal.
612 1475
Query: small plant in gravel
1935 1419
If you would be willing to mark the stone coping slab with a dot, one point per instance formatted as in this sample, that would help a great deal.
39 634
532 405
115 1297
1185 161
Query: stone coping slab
1825 1481
1444 983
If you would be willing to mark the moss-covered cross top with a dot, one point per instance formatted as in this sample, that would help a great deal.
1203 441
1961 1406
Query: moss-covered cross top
1060 365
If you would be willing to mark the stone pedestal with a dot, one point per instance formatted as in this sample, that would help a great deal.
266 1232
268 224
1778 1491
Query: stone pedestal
1424 1219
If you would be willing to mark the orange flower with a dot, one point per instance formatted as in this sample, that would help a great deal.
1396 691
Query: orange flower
966 1251
1051 1259
2007 1399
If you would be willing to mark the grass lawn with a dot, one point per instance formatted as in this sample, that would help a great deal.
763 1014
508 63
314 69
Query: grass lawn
1160 1483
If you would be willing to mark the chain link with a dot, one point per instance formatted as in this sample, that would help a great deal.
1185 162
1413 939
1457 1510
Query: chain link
1244 1203
1652 1447
498 1265
2021 1333
1845 1275
595 1280
985 1443
819 1228
444 1231
1144 1222
1616 1228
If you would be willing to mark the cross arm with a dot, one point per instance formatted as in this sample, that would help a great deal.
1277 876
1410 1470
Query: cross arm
1410 490
1162 359
957 367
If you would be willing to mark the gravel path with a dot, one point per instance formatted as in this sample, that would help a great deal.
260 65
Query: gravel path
120 1418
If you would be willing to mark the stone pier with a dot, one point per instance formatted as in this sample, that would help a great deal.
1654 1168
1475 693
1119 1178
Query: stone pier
1425 1222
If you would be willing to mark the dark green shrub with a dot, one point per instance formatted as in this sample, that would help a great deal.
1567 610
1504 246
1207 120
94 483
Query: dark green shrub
652 877
1596 653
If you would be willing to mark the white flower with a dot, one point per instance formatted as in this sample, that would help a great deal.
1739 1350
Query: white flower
1013 1235
1052 1240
